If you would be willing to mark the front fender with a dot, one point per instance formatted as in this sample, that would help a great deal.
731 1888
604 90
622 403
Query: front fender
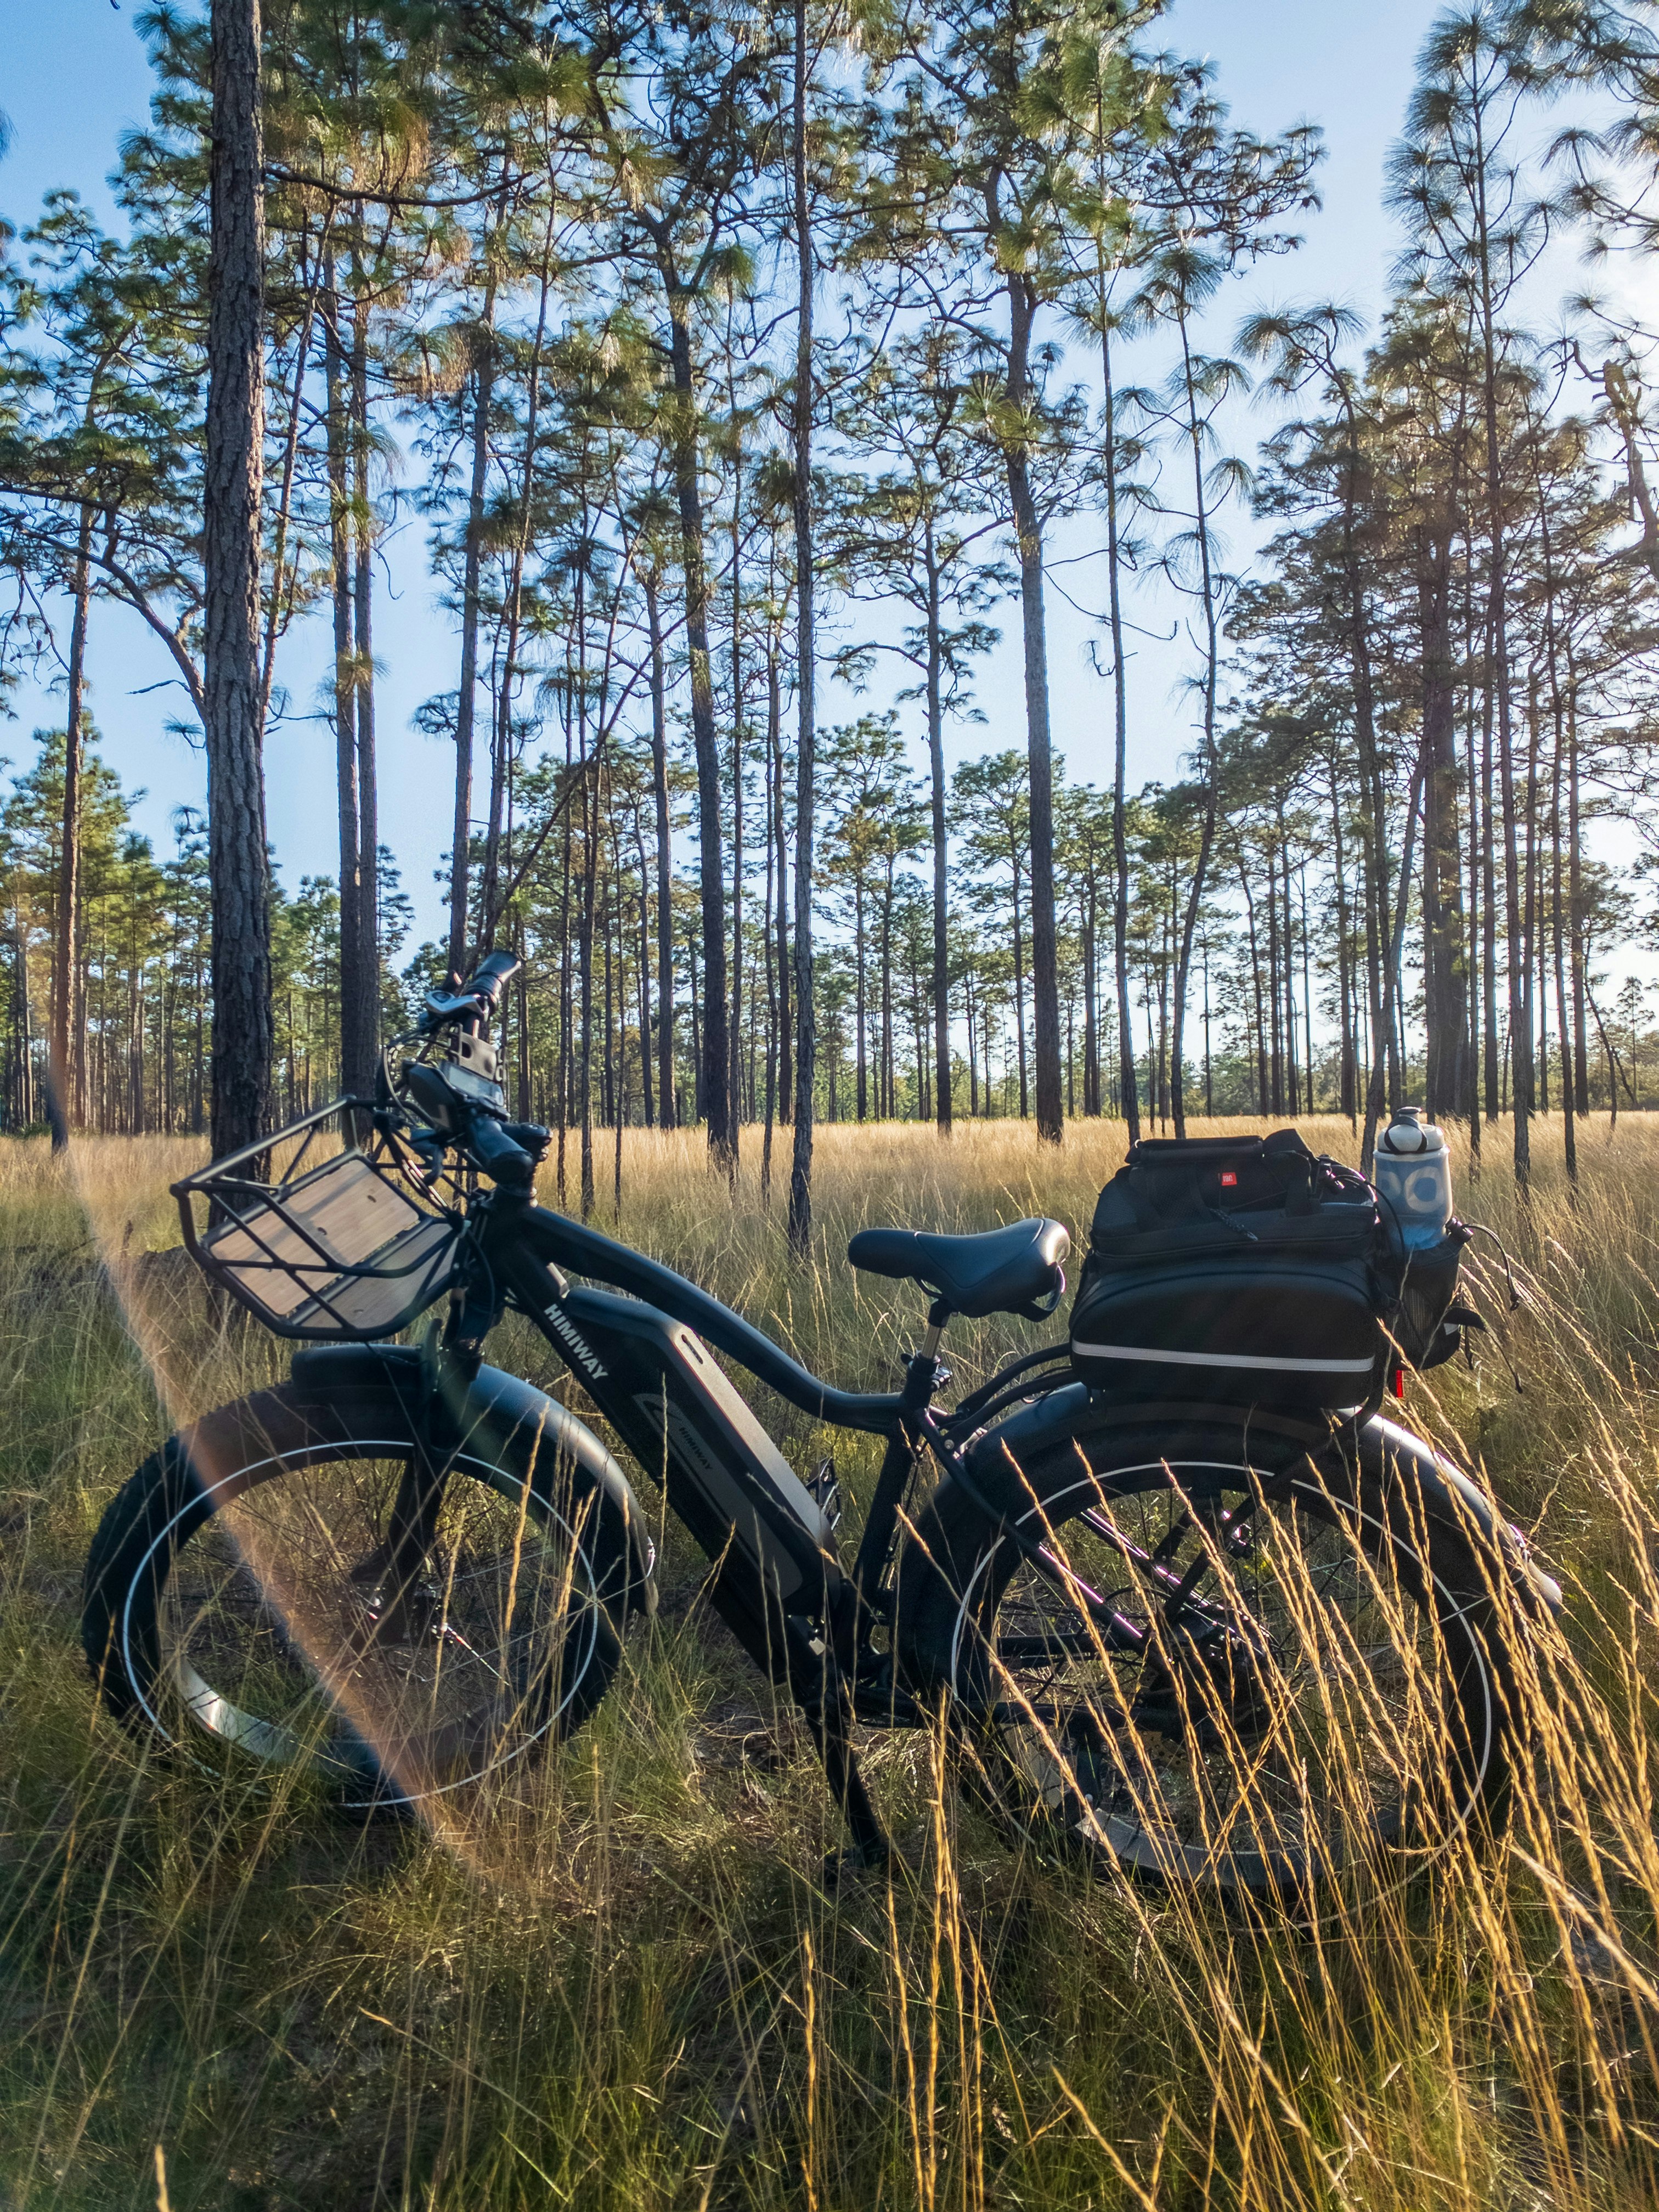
519 1420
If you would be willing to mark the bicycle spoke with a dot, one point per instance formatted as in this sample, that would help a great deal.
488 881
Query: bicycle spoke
273 1643
1266 1681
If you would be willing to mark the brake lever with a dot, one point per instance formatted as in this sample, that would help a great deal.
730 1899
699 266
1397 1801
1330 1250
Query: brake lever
428 1151
426 1148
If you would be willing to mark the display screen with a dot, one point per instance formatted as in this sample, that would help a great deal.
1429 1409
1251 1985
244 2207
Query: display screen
475 1087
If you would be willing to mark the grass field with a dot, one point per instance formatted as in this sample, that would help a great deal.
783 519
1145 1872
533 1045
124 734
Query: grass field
621 1983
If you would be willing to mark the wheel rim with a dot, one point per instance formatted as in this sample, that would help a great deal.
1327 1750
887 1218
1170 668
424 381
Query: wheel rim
1266 1758
271 1634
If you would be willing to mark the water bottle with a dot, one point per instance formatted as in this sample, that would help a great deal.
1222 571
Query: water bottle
1412 1174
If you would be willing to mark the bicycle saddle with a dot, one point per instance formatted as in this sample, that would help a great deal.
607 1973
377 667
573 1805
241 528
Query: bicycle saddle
1013 1270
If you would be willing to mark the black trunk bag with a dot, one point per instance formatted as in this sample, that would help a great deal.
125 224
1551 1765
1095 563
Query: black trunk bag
1243 1269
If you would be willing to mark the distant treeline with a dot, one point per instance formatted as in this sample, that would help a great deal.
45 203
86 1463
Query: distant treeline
699 326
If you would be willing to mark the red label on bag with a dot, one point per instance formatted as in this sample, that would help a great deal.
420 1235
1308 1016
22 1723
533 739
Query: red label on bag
1228 1179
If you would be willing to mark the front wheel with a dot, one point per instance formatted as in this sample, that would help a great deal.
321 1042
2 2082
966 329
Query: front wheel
239 1599
1200 1654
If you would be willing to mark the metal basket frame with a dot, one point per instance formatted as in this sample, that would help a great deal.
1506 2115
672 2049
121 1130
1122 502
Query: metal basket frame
241 1198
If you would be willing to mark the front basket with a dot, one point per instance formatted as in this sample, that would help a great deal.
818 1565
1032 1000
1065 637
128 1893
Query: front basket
320 1246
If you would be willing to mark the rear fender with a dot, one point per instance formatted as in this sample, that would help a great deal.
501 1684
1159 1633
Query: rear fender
1454 1499
1048 1421
519 1420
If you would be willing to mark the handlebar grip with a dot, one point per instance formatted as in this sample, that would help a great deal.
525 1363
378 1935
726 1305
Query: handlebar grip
491 973
507 1164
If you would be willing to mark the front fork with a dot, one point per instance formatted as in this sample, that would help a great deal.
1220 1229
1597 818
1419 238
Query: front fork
396 1568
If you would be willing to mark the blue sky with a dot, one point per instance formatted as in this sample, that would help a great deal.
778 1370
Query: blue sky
73 77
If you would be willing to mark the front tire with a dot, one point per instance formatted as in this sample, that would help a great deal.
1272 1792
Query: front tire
235 1605
1196 1652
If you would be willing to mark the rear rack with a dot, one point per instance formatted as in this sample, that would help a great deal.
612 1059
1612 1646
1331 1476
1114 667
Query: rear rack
322 1247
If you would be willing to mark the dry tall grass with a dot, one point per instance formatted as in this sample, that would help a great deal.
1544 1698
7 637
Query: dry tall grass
625 1985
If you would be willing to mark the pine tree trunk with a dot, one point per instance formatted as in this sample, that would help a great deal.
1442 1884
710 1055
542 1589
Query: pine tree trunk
734 1078
361 1078
1386 1039
800 1172
861 1008
1446 985
647 1094
64 1105
1028 530
716 1034
1576 903
770 960
1129 1100
1090 1033
1210 771
585 978
242 1033
483 390
1019 998
345 681
1471 1082
941 850
342 436
774 751
1347 1100
665 860
887 1107
1293 1082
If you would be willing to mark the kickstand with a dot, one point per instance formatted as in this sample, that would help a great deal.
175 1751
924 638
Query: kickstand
869 1846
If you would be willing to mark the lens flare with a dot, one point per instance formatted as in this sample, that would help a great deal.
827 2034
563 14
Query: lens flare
372 1684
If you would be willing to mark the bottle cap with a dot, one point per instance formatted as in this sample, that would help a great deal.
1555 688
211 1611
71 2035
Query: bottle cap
1406 1122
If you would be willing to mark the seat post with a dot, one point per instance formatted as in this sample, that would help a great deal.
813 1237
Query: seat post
938 1314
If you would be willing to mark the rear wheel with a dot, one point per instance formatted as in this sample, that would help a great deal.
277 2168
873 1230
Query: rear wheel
1210 1659
241 1599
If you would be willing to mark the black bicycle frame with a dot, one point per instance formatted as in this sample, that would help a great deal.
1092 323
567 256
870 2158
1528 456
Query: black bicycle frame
644 1357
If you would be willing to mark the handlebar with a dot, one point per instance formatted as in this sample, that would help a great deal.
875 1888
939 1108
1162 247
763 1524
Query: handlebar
491 974
507 1164
490 1143
477 998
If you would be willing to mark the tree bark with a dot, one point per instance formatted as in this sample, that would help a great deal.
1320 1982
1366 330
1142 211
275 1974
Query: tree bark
715 1032
774 740
941 852
1211 672
665 859
1498 681
1385 1036
340 427
1446 984
240 925
801 1169
1028 531
361 1078
1576 903
1627 415
483 382
1128 1088
66 1104
734 1075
